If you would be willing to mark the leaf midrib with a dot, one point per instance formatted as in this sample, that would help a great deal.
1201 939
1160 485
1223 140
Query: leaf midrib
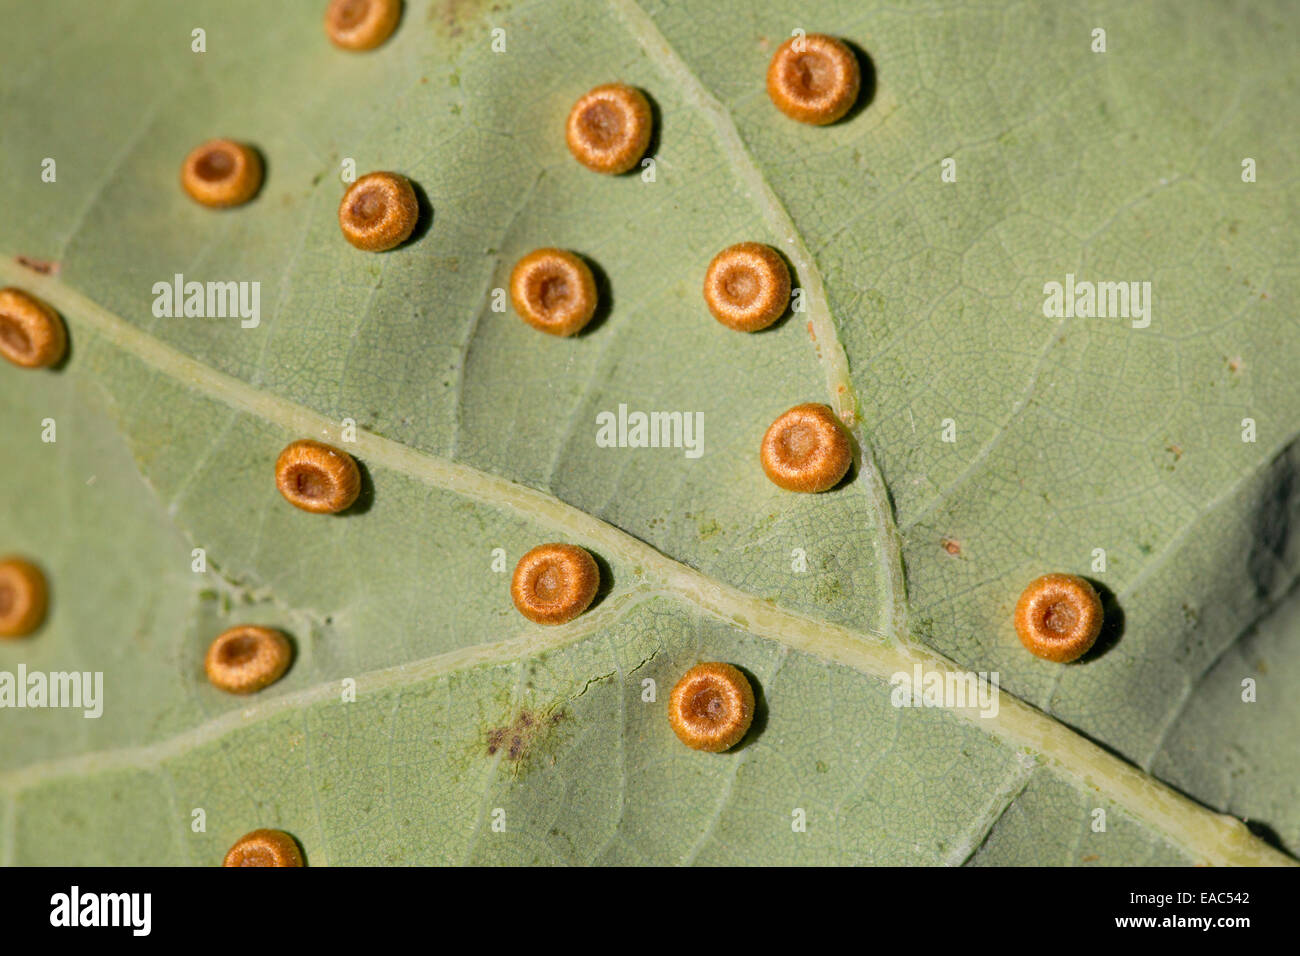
1204 834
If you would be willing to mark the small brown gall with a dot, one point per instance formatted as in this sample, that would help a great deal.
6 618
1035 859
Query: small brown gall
31 333
806 449
712 707
814 79
554 291
245 659
609 128
379 211
222 173
317 477
264 848
554 583
747 286
1058 617
361 24
24 597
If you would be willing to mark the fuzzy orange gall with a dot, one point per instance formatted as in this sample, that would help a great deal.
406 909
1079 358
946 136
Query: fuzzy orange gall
609 128
245 659
317 477
712 707
1058 617
221 173
814 79
806 449
264 848
554 290
379 211
554 583
747 286
31 333
24 597
361 24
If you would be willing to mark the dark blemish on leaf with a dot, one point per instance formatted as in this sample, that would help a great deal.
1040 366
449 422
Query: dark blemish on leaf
828 592
40 266
520 736
452 17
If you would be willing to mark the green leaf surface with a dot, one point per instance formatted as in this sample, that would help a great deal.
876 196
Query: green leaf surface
924 303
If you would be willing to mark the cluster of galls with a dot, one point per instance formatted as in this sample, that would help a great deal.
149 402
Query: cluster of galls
813 79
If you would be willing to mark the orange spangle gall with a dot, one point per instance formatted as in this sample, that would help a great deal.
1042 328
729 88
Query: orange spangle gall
814 79
247 658
1058 617
361 24
554 583
609 128
747 286
23 597
317 477
553 290
807 449
379 211
712 707
31 333
222 173
264 848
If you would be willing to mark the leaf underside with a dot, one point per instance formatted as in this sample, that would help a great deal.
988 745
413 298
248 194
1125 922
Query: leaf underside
925 303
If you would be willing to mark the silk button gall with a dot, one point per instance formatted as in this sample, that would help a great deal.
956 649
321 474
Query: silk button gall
24 597
806 449
264 848
379 211
554 291
711 707
747 286
554 583
317 477
814 79
31 333
1058 617
609 128
222 173
245 659
361 24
